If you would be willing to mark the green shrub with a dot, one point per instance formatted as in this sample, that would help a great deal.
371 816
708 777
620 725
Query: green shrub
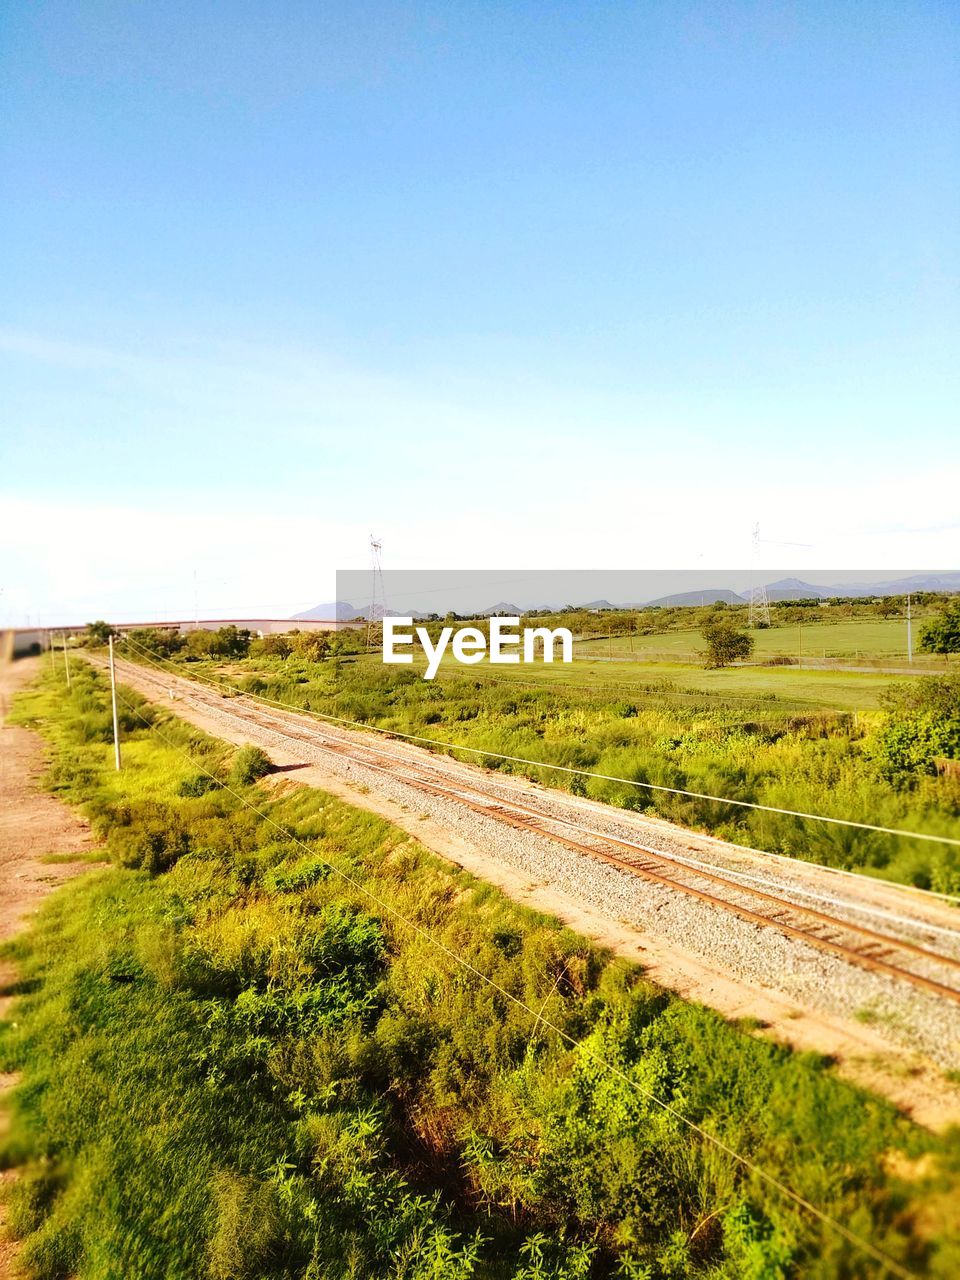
249 764
198 784
921 726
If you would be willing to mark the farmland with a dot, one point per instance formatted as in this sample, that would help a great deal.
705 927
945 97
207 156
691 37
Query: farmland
775 689
853 640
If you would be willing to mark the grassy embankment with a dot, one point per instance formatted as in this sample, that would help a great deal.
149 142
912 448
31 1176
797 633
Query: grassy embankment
799 740
236 1063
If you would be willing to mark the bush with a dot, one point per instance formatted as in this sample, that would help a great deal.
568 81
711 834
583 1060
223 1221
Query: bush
98 633
148 836
922 726
198 785
280 646
249 764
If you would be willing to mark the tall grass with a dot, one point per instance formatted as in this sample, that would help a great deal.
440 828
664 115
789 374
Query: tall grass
238 1064
747 750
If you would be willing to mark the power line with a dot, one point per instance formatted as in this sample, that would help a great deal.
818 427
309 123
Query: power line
728 844
885 1260
584 773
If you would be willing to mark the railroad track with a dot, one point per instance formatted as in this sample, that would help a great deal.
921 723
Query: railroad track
871 949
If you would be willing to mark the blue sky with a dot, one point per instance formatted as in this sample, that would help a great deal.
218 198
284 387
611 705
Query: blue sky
554 284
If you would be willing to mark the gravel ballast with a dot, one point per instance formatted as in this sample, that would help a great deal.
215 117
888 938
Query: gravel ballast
753 953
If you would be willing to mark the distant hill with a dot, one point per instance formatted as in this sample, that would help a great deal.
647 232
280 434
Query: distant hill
901 586
342 610
710 595
511 610
782 589
796 589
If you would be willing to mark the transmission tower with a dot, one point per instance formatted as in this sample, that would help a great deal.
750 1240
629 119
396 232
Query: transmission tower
759 604
376 586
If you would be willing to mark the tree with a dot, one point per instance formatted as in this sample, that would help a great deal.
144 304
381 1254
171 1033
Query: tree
888 606
161 643
725 643
99 632
312 645
942 633
225 642
272 646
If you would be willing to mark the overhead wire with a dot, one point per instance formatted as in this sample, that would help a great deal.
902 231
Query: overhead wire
890 1264
586 773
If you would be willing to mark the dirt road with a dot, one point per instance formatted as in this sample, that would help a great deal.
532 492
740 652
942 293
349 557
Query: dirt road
33 824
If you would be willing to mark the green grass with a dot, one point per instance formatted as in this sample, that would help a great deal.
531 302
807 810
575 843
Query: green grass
784 689
852 639
237 1065
776 737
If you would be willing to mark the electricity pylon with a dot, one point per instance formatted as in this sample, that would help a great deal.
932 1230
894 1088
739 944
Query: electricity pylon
376 580
759 604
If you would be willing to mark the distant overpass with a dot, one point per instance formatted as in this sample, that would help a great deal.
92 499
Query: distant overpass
17 642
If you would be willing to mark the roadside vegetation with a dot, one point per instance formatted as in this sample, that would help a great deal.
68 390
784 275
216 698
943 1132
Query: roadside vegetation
238 1061
894 764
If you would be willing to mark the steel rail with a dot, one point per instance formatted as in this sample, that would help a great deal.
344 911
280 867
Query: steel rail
522 818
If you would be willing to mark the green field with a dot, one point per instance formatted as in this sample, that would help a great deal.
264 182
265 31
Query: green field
783 688
853 639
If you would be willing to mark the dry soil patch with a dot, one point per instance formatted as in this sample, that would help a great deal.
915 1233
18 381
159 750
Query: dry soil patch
33 824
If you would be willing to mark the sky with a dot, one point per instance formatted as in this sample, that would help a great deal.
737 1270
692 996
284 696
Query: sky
548 285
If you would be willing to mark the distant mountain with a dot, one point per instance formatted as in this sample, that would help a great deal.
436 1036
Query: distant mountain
511 610
342 610
710 595
796 589
782 589
901 586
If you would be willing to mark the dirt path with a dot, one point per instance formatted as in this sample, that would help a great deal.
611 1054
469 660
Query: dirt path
32 824
863 1053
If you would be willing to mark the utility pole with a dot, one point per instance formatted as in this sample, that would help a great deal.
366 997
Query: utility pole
66 660
113 699
909 633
